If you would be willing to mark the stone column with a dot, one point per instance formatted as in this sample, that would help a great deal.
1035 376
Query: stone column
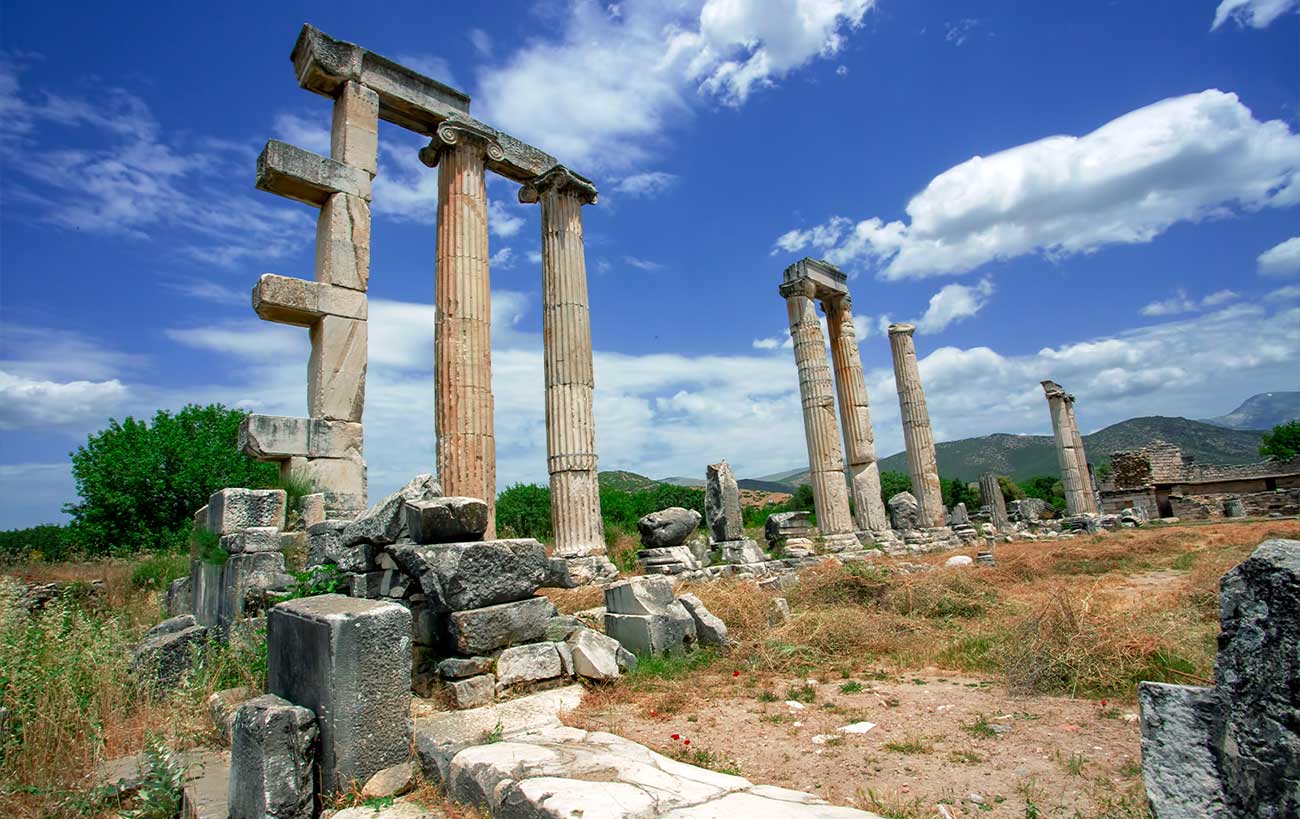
1077 500
855 415
922 463
991 493
570 382
1085 474
825 459
462 341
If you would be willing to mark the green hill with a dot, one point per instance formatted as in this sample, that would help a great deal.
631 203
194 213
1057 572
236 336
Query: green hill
1263 411
1024 456
625 481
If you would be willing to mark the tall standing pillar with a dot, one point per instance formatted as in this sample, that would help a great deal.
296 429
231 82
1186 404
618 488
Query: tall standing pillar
1085 475
570 382
918 437
991 493
855 416
825 459
463 405
1077 499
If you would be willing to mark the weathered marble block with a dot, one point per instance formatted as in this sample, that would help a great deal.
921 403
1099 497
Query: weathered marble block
668 527
272 753
348 660
461 576
480 631
446 520
722 503
233 510
301 175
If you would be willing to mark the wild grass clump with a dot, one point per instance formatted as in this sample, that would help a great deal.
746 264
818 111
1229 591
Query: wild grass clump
158 571
830 583
942 594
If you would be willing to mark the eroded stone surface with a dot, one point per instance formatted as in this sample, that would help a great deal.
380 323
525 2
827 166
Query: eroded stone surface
667 527
446 520
233 510
528 663
460 576
709 628
272 754
722 503
479 631
385 521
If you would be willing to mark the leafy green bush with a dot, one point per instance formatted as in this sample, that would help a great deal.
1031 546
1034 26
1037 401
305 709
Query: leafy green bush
524 510
1045 487
47 542
140 482
1282 442
891 483
158 572
317 580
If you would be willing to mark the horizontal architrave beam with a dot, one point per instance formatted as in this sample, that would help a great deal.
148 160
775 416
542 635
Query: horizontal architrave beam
286 300
303 176
280 437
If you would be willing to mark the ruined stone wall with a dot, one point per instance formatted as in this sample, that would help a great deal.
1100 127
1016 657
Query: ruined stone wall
1114 502
1254 504
1131 470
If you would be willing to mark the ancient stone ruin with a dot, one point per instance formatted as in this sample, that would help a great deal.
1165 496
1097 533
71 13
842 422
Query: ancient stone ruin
1233 749
327 447
1162 482
1076 476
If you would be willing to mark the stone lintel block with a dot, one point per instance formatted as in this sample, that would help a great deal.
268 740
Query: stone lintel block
336 370
354 133
273 747
286 300
405 97
259 539
446 520
299 174
826 280
347 660
233 510
481 631
277 437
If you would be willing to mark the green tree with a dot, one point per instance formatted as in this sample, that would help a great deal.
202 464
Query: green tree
1010 489
48 541
1045 487
891 483
1283 442
957 491
140 483
524 510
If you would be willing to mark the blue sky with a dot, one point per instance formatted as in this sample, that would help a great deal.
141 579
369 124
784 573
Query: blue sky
1100 193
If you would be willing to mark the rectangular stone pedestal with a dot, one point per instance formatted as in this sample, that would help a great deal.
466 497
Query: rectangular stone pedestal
349 661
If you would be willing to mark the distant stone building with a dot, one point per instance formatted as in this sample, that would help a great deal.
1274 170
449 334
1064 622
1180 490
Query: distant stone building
1162 481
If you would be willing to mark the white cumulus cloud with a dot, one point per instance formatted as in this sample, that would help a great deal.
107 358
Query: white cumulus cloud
1282 259
1252 13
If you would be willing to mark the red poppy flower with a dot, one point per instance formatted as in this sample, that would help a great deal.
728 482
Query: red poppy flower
675 737
686 742
735 673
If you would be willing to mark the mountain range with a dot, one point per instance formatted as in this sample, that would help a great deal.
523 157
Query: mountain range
1233 438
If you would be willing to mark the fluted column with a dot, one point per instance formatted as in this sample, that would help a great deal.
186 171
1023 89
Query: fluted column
463 405
918 437
566 326
1085 476
855 416
1076 498
825 459
991 493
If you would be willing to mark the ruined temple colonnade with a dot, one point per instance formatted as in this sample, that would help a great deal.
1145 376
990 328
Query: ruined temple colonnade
1075 477
805 283
366 88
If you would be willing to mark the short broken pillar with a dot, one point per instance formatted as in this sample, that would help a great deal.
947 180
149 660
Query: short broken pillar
348 660
1234 749
991 494
722 503
272 760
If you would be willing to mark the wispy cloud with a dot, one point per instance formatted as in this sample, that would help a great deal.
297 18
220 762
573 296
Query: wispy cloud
1181 303
1252 13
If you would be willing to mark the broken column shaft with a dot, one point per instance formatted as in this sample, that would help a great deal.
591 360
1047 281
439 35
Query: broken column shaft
1078 494
991 493
1085 475
570 381
922 464
855 414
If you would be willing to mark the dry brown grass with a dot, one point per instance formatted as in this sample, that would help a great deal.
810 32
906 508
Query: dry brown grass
570 600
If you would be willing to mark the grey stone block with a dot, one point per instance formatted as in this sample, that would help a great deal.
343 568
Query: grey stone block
446 520
385 522
179 597
559 628
257 539
168 649
460 576
668 527
709 628
595 655
640 595
456 668
1180 733
651 633
480 631
233 510
534 662
222 706
347 660
271 760
306 177
722 503
904 512
472 692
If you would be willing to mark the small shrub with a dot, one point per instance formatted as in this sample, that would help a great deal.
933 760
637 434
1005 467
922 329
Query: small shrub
157 572
206 546
162 775
981 727
805 693
851 687
328 579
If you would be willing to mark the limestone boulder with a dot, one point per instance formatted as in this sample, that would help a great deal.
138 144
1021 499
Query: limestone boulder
904 512
233 510
272 756
462 576
595 655
446 520
668 527
472 692
168 649
385 522
457 668
709 628
484 630
390 782
529 663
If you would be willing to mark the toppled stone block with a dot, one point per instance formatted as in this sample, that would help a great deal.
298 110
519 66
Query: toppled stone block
472 692
709 628
385 522
668 527
904 512
644 616
167 650
480 631
667 560
781 526
271 760
1234 749
595 655
530 663
344 658
461 576
456 668
325 547
743 551
958 516
446 520
390 782
640 595
559 627
222 706
722 503
778 611
233 510
258 539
